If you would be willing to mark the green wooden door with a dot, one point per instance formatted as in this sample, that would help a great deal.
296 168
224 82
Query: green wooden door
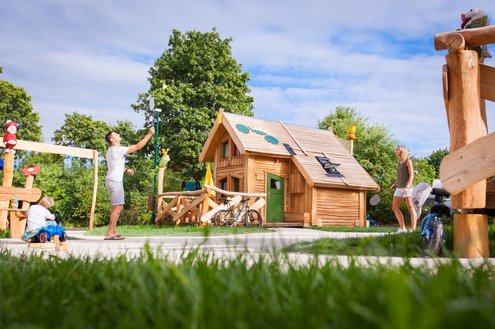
275 204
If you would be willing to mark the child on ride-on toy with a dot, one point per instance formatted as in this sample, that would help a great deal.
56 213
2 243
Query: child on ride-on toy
39 218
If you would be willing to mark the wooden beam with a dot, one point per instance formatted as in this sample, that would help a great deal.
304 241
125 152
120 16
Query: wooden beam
21 193
218 190
468 165
95 190
471 236
487 82
473 37
52 148
465 120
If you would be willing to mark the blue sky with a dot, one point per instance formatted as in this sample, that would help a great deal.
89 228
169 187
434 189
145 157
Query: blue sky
304 57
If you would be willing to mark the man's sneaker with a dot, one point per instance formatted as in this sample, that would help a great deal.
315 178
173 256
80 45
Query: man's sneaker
410 230
401 230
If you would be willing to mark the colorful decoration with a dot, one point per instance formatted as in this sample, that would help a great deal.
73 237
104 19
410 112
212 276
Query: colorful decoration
164 159
209 180
10 138
272 140
242 128
31 170
473 19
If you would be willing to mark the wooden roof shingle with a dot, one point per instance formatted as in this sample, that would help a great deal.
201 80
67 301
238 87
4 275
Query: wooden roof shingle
305 143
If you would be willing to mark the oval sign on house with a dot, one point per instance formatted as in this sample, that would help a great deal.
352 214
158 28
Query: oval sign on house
242 128
272 140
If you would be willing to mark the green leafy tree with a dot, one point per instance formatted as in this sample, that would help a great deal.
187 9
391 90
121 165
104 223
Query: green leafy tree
435 159
423 171
80 130
15 105
191 81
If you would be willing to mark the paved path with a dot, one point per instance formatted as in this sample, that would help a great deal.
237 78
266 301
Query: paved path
226 246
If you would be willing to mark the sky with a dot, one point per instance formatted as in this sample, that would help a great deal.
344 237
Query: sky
304 57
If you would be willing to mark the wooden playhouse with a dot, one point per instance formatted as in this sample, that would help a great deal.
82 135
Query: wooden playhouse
309 176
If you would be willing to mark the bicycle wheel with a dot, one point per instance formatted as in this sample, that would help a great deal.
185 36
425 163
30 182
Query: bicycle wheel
253 217
222 218
437 237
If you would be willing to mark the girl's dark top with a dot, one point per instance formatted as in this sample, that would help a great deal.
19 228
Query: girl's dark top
402 174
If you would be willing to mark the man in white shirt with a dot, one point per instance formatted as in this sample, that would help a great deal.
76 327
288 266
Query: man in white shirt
114 181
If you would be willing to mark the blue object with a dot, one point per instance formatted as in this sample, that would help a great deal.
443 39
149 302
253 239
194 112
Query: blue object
272 140
47 232
242 128
1 164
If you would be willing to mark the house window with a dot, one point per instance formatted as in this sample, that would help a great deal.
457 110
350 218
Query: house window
225 149
223 186
275 184
235 151
236 184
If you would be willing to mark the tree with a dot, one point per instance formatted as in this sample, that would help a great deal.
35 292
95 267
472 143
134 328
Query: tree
15 105
435 159
192 79
81 130
423 171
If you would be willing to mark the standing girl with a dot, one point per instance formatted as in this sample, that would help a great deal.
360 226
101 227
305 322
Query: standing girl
403 188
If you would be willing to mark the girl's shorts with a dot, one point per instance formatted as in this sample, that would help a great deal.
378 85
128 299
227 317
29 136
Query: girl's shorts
403 192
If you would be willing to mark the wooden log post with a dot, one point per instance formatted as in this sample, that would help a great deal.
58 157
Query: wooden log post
159 190
466 124
18 224
8 175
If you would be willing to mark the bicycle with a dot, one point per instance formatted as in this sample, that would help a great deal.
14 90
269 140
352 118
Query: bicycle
234 215
432 227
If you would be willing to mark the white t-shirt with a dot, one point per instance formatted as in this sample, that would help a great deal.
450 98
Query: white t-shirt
116 162
37 216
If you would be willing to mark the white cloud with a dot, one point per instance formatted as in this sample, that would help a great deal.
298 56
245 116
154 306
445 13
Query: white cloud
304 57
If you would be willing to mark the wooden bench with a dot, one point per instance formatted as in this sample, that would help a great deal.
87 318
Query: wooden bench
9 196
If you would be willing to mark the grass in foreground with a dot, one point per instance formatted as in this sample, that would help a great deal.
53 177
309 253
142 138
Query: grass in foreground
193 230
203 292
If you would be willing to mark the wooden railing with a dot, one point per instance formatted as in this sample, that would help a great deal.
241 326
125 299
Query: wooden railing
197 207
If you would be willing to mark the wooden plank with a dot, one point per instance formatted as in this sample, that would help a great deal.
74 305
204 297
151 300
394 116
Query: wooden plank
52 148
487 82
206 217
218 190
465 120
189 207
22 194
258 204
95 191
182 193
473 37
468 165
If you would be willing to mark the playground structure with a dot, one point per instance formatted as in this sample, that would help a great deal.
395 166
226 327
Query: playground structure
195 207
467 83
10 196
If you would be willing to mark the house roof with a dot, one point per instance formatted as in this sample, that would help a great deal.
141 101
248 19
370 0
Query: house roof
301 144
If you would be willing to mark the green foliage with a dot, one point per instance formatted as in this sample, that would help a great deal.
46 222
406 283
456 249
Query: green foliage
80 130
200 291
173 230
193 78
435 159
423 171
15 105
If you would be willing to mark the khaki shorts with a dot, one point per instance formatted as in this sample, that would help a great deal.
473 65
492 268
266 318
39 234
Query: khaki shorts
116 192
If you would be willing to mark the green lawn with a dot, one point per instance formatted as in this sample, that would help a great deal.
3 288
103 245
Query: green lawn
204 292
401 245
192 230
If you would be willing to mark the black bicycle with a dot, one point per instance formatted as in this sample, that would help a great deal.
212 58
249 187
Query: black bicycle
237 214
